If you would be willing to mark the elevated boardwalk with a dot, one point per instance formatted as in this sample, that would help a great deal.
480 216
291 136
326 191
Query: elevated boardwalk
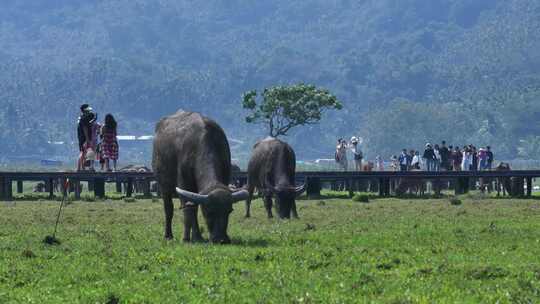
130 180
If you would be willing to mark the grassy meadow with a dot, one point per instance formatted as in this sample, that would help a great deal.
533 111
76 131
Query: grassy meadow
475 249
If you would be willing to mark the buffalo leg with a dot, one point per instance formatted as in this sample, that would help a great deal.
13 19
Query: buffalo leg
268 205
189 219
248 201
169 211
248 207
293 209
195 230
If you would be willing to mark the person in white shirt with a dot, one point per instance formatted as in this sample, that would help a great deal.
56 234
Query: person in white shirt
379 163
357 153
415 164
437 162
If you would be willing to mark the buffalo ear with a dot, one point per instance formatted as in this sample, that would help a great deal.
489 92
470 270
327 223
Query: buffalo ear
241 195
195 198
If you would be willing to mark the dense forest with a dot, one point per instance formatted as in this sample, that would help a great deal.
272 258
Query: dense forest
406 71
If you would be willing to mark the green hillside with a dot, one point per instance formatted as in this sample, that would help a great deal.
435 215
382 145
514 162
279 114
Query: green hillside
406 71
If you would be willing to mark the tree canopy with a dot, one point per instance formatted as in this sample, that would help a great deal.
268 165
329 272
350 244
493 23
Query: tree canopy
285 107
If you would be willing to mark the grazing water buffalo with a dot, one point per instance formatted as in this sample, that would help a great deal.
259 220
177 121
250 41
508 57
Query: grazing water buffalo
191 157
271 170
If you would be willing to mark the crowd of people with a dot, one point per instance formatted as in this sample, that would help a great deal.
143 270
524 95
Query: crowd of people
434 158
97 142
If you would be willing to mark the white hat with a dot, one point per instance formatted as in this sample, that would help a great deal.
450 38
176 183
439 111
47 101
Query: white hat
354 140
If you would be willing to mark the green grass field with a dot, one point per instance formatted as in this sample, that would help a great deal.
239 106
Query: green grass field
340 251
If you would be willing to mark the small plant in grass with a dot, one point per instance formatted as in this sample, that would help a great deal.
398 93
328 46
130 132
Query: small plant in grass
129 200
114 196
88 198
455 201
362 198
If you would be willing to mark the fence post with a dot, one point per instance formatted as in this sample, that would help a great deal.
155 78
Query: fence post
50 185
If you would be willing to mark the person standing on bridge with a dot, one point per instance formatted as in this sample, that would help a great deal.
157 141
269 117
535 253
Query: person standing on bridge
357 153
457 158
489 155
84 135
403 160
109 144
445 155
415 163
429 157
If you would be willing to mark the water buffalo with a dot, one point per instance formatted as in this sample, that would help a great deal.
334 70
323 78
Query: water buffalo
271 170
191 158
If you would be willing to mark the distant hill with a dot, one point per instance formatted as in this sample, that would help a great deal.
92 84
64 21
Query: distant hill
407 71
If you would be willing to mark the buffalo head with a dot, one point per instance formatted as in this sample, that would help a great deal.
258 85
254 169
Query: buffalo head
216 207
285 198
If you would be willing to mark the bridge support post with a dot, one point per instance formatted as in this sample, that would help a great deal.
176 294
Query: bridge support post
77 188
462 185
313 187
99 188
146 188
20 188
517 187
129 187
50 187
118 186
2 188
384 186
158 190
529 186
6 189
349 187
90 185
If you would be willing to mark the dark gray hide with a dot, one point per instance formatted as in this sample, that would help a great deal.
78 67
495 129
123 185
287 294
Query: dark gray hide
191 152
271 170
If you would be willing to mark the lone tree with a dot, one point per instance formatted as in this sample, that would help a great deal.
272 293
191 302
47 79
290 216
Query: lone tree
284 107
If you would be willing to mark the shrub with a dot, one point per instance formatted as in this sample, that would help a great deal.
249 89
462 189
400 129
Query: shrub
88 197
362 198
455 201
129 200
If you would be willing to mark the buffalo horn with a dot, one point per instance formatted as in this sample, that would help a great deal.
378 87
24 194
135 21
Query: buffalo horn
300 189
241 195
192 197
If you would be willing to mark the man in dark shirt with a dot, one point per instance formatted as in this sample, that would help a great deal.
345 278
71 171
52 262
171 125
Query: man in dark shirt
403 160
489 157
445 155
84 133
429 157
474 165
